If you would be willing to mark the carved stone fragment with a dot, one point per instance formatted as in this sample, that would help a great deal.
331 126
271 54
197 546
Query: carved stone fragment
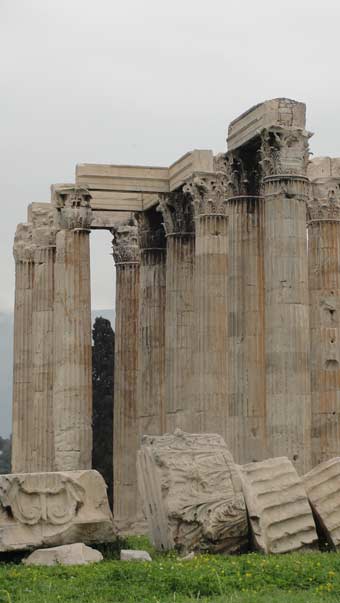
72 207
51 509
322 485
192 493
280 516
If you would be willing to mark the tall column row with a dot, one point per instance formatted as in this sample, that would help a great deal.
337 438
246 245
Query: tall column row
52 376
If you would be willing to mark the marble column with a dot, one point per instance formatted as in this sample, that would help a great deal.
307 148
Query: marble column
324 283
287 334
22 423
246 425
44 236
246 432
72 391
151 337
208 192
178 221
125 421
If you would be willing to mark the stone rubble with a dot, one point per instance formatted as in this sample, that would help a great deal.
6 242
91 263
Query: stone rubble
132 555
52 509
68 554
192 493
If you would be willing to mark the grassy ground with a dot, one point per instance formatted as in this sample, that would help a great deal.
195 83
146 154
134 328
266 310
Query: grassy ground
253 578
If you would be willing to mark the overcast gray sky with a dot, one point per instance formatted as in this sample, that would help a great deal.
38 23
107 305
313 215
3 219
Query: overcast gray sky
144 81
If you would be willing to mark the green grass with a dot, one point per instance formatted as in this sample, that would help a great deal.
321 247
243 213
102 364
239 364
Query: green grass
295 578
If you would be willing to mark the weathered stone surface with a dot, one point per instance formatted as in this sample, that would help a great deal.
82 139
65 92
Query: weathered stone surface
209 386
68 554
131 555
277 112
324 292
280 516
72 386
126 255
46 509
177 212
22 419
285 188
192 493
322 485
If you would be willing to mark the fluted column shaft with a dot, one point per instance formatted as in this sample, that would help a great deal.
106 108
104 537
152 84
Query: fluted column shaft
22 426
287 335
177 213
72 392
246 430
125 419
151 353
42 321
179 329
210 302
324 283
42 340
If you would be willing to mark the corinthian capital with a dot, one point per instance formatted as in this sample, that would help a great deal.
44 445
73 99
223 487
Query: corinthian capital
150 230
325 201
125 247
208 191
284 151
177 212
72 207
44 231
23 248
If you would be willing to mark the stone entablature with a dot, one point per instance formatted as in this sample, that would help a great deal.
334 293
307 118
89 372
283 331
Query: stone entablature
72 207
275 113
125 246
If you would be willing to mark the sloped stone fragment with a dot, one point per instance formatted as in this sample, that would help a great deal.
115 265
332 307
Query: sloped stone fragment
192 493
322 485
52 509
280 515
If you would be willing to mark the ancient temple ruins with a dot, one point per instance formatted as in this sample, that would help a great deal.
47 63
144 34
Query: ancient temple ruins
227 308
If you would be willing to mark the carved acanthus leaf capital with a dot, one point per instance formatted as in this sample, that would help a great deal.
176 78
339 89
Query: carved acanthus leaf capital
72 207
44 230
24 247
125 246
230 165
284 151
177 212
325 201
208 191
151 233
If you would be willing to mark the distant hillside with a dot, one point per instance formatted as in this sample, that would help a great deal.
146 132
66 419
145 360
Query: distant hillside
6 361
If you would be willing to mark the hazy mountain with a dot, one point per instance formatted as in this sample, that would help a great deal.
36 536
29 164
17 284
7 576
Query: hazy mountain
6 361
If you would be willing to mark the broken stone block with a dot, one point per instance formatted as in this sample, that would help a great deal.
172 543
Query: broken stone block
51 509
192 493
130 555
280 515
322 485
68 554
